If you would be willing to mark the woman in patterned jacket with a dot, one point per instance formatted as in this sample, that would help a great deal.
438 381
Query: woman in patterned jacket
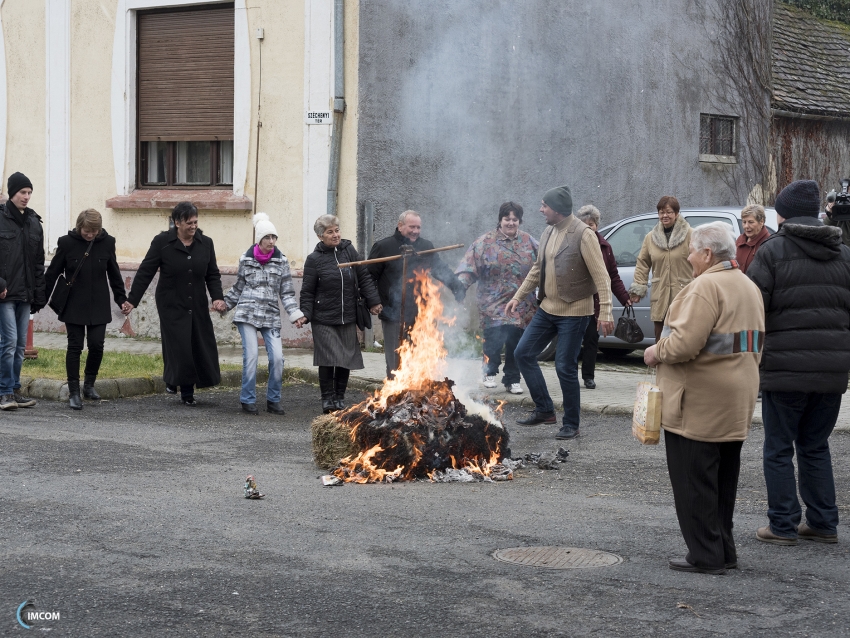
499 261
263 279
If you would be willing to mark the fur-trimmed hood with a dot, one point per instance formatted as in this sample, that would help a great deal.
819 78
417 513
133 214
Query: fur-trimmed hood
812 237
679 234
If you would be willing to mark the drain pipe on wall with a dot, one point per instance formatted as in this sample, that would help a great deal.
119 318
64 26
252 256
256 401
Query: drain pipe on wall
339 105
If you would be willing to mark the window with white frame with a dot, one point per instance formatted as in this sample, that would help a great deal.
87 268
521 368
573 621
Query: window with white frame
185 97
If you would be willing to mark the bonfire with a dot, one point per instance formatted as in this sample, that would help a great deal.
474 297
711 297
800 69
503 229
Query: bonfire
415 427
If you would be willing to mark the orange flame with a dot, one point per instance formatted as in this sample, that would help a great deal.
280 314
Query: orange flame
422 360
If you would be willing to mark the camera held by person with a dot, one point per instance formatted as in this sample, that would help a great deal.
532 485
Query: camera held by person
840 209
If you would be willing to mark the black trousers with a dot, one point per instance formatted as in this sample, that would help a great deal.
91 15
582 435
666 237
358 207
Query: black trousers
589 348
76 337
334 377
495 339
704 477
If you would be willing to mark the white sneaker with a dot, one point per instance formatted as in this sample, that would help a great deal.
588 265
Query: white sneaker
489 382
515 388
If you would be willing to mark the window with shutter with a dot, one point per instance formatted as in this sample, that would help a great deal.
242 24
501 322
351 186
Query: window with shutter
185 97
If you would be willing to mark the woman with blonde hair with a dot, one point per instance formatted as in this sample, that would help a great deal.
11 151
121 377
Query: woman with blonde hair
755 232
86 258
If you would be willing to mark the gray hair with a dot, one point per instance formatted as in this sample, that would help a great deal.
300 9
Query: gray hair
755 210
717 237
323 223
589 212
402 219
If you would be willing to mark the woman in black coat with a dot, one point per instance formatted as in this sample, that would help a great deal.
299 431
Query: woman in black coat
329 302
185 258
87 310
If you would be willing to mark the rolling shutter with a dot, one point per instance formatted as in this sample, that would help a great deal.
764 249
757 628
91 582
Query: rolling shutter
185 75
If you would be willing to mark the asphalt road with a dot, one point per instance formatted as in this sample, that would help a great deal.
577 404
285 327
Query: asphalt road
128 519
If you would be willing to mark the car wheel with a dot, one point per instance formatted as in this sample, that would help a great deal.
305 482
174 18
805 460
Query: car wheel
548 353
615 353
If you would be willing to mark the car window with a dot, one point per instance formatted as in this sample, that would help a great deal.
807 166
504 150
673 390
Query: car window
699 220
627 240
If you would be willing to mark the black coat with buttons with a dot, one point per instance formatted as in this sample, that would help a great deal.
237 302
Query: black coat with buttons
88 300
186 273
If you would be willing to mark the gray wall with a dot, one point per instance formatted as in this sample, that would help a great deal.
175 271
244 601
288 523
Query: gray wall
465 104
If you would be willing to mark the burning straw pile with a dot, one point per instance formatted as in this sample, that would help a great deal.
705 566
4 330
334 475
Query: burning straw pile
414 427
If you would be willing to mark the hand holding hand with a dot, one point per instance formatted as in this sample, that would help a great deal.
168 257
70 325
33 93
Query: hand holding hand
376 310
634 298
127 308
301 322
3 294
605 327
511 307
219 306
649 357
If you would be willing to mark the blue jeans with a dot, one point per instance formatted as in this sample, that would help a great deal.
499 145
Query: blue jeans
801 420
542 329
250 356
14 322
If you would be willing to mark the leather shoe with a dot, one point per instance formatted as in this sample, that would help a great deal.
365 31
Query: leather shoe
274 407
681 565
536 418
566 433
590 384
806 532
765 535
250 408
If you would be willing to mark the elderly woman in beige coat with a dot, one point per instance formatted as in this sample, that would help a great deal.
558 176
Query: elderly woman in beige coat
708 358
665 252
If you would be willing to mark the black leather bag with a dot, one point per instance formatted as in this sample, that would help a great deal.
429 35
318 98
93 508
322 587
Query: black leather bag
62 290
364 317
628 329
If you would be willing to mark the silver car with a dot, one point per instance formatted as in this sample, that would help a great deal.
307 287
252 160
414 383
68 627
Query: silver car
626 238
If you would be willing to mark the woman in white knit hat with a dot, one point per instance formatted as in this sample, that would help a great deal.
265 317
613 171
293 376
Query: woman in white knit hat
262 282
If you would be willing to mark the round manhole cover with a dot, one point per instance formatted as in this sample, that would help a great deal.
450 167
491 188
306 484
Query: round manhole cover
557 557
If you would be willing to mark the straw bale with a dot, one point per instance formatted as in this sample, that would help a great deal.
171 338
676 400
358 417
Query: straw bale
331 441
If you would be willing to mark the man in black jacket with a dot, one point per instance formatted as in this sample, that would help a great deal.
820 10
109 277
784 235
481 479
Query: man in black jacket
22 266
803 272
387 276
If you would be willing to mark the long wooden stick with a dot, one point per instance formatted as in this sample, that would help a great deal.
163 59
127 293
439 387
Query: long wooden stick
394 257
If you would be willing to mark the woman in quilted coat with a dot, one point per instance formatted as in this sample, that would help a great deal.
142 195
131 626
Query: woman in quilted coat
262 280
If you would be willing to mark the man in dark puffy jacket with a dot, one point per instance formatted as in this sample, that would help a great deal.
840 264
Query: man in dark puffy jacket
22 266
387 276
803 272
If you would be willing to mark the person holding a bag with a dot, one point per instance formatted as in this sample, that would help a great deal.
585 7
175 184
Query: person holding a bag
665 253
80 275
329 299
499 260
262 280
708 373
591 216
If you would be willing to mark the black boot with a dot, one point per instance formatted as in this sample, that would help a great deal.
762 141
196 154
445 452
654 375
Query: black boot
326 385
340 383
74 399
88 388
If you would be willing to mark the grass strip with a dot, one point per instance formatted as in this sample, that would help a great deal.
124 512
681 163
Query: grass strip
116 365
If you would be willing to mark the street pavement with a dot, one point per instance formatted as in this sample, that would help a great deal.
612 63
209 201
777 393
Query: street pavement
616 380
127 519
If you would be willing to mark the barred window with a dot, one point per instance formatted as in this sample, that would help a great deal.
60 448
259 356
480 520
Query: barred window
717 137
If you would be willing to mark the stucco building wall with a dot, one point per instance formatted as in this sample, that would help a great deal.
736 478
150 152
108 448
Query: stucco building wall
470 104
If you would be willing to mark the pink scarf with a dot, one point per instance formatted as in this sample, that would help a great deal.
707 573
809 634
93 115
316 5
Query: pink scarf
260 256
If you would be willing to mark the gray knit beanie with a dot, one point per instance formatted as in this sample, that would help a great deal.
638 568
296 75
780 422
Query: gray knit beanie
559 199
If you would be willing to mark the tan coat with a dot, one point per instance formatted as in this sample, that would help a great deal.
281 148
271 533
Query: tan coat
710 351
669 264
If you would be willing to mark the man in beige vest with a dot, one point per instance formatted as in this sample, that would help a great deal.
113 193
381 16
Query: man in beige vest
569 270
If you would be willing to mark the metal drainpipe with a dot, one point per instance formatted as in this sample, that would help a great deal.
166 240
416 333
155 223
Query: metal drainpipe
339 105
